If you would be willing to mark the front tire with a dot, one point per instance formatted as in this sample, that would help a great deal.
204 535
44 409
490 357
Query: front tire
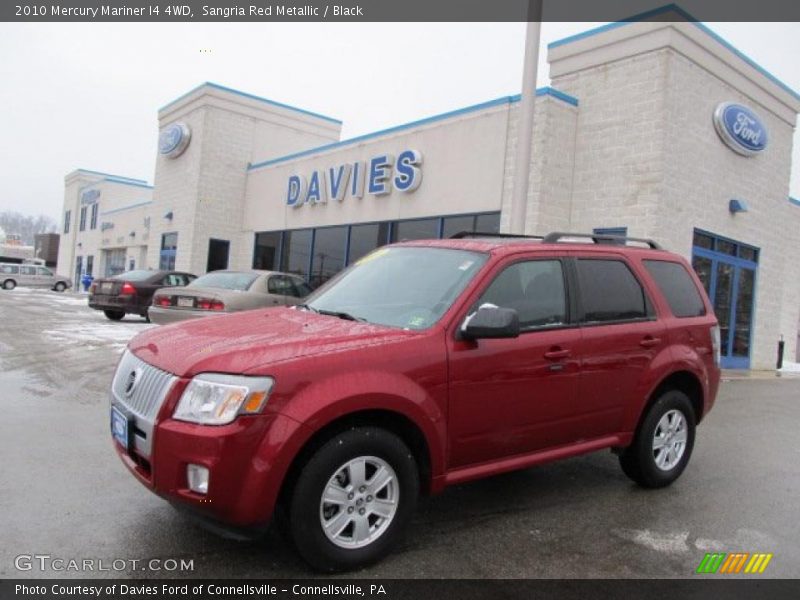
663 443
114 315
9 284
353 499
60 286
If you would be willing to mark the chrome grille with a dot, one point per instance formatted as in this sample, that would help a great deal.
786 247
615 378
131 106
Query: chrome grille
144 398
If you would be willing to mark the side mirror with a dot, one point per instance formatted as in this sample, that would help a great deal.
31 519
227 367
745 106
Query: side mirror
491 322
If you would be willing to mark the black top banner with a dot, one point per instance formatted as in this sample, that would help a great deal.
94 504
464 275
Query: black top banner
395 10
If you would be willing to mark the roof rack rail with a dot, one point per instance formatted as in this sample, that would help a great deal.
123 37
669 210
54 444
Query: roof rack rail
487 234
597 238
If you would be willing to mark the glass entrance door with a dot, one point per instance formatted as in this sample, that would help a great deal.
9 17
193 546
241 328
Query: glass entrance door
728 272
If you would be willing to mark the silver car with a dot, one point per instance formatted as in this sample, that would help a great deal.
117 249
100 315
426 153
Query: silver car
221 292
12 275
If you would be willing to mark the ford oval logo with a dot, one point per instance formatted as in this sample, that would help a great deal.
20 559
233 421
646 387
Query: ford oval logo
740 128
174 139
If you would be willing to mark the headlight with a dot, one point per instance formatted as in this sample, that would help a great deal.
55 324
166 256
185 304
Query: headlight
216 399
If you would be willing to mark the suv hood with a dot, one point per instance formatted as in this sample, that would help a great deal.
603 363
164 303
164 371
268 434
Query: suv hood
243 342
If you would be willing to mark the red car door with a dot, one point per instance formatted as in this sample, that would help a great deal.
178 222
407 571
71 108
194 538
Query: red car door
513 396
621 338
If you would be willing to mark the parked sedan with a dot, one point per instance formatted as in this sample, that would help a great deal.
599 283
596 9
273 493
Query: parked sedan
221 292
132 292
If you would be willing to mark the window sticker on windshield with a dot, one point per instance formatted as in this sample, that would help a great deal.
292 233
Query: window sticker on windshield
372 256
466 265
417 321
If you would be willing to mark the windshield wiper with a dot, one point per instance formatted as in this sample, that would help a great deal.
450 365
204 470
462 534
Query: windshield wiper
306 307
341 315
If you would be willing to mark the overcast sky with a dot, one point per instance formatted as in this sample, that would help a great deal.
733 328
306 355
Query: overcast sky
86 95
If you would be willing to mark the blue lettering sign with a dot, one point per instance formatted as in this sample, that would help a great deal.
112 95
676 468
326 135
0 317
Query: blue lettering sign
296 193
337 177
380 175
379 168
409 175
316 188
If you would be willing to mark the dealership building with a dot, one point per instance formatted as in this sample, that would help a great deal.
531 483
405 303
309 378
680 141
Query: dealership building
650 129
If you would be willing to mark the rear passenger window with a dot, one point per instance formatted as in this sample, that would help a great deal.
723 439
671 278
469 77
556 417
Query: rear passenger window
280 285
9 269
535 289
677 287
610 292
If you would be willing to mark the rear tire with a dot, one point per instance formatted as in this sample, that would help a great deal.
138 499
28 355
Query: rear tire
9 284
60 286
114 315
663 443
363 485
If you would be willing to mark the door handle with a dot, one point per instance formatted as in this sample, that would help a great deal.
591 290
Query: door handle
556 353
649 341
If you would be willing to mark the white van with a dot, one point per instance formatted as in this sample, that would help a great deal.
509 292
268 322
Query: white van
12 275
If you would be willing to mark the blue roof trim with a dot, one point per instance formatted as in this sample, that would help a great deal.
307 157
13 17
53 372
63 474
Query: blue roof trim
217 86
704 28
794 201
126 182
109 176
128 207
546 91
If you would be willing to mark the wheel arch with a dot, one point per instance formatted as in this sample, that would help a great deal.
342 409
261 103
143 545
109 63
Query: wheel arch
398 423
683 381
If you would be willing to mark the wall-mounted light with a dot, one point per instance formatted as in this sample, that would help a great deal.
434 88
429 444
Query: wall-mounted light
737 206
168 216
132 234
80 244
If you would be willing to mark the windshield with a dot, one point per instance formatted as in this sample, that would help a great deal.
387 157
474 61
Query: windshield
404 287
138 275
226 280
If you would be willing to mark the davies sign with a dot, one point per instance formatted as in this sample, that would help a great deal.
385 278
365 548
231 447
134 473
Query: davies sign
376 176
740 128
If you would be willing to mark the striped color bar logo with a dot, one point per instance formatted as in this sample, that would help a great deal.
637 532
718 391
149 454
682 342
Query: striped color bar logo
733 563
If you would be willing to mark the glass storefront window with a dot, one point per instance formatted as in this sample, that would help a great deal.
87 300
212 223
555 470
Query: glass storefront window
454 225
748 253
701 240
296 251
265 255
488 223
744 311
726 247
328 259
365 238
421 229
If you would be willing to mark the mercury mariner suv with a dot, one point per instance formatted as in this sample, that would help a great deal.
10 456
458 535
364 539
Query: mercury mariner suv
425 364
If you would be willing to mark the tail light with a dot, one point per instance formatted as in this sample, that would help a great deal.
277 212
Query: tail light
127 289
92 288
209 304
715 344
162 301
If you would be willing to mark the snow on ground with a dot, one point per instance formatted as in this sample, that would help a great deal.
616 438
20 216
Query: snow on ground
790 367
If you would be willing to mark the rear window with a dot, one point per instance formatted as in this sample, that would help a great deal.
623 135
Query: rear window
677 287
9 269
225 280
138 275
610 292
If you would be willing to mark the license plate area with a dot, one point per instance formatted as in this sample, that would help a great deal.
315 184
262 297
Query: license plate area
106 287
185 302
122 428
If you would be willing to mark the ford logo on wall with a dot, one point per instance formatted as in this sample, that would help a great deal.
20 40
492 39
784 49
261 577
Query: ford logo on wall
740 128
174 139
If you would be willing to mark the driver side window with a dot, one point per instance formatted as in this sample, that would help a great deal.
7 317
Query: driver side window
535 289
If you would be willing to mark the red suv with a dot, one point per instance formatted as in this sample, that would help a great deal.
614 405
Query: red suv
425 364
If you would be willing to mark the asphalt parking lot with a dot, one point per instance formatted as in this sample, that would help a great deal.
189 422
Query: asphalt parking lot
65 494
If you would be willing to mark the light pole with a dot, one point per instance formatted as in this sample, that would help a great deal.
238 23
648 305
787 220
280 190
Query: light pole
522 159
